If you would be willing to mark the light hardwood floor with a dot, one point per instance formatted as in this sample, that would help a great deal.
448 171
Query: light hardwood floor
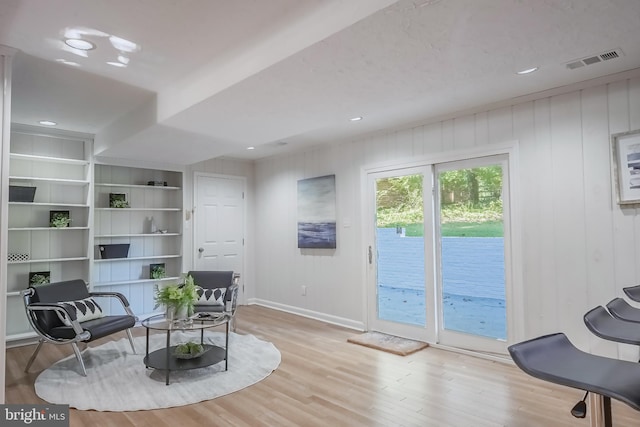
325 381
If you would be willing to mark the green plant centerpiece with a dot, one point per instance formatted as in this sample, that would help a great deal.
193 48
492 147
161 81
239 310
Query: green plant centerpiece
178 298
189 350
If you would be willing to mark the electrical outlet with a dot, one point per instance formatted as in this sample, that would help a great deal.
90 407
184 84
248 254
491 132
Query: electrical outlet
304 290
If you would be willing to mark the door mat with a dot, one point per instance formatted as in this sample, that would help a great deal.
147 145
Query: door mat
388 343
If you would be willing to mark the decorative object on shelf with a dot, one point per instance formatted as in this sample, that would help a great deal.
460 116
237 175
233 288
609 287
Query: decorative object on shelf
157 183
157 271
39 278
18 257
118 200
152 225
626 166
19 193
178 298
189 350
117 250
59 219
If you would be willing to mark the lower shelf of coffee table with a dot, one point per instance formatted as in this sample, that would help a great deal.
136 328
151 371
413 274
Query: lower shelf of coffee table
158 359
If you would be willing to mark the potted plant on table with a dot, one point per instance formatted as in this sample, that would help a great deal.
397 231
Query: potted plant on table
178 298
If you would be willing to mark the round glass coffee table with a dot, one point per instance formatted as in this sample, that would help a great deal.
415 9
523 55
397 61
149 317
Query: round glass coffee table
165 358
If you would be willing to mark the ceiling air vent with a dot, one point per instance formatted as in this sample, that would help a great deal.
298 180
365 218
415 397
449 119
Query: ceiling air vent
605 56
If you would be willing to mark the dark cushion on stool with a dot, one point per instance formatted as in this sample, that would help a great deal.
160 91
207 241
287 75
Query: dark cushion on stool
553 358
621 309
604 325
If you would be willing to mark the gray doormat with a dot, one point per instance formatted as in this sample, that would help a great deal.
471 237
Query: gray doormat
388 343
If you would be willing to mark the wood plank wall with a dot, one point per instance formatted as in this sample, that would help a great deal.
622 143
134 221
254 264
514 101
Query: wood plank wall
578 249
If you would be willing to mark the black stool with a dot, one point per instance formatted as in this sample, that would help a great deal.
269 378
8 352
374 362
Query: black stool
553 358
604 325
621 309
633 292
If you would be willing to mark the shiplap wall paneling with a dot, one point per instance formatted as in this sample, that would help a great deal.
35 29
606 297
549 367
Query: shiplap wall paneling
464 132
624 230
579 247
528 221
567 198
600 275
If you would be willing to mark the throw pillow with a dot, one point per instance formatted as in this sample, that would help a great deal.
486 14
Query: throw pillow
86 309
213 296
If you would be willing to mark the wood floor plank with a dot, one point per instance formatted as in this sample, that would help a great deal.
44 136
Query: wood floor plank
325 381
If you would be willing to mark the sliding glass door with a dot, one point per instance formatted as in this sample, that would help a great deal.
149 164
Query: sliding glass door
437 262
470 230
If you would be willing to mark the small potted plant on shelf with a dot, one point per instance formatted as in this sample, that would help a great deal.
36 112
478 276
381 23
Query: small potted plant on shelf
39 278
157 271
59 219
178 298
118 200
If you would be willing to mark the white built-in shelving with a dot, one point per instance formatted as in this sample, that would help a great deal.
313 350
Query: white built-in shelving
151 225
59 166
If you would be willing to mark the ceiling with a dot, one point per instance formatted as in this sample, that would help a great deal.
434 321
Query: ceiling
211 77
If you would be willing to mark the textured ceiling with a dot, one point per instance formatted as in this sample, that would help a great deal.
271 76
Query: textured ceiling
214 77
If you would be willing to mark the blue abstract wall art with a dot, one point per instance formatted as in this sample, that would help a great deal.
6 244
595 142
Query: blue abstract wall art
317 212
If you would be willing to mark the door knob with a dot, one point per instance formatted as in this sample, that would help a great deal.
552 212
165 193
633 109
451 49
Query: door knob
200 250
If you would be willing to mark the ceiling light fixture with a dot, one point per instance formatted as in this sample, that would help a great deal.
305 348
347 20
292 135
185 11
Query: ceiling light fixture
123 59
65 62
251 148
117 64
527 71
355 119
80 44
47 123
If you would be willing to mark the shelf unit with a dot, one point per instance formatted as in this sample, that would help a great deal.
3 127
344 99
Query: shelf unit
133 225
59 166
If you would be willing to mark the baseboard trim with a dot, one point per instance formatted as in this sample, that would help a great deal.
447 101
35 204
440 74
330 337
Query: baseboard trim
315 315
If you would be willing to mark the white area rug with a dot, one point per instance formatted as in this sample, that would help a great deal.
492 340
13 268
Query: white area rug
117 379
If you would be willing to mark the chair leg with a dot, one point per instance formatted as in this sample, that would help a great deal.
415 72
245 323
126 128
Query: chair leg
133 347
76 350
33 356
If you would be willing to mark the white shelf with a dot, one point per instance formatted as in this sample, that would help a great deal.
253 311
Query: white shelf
146 187
66 205
51 180
138 258
47 228
48 159
33 261
140 209
137 235
133 282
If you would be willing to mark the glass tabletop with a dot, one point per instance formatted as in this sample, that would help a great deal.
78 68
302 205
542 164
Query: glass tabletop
196 322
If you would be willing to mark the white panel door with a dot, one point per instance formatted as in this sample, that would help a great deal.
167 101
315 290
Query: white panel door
219 223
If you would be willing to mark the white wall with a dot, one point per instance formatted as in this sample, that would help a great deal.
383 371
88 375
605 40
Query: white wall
579 248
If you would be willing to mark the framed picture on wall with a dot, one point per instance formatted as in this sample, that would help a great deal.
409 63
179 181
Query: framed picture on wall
626 166
317 212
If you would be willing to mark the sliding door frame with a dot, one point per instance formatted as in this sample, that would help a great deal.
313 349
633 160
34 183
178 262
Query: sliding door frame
514 291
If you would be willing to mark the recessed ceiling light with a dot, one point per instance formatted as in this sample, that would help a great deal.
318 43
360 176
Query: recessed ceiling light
355 119
47 123
65 62
251 148
80 44
117 64
527 71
